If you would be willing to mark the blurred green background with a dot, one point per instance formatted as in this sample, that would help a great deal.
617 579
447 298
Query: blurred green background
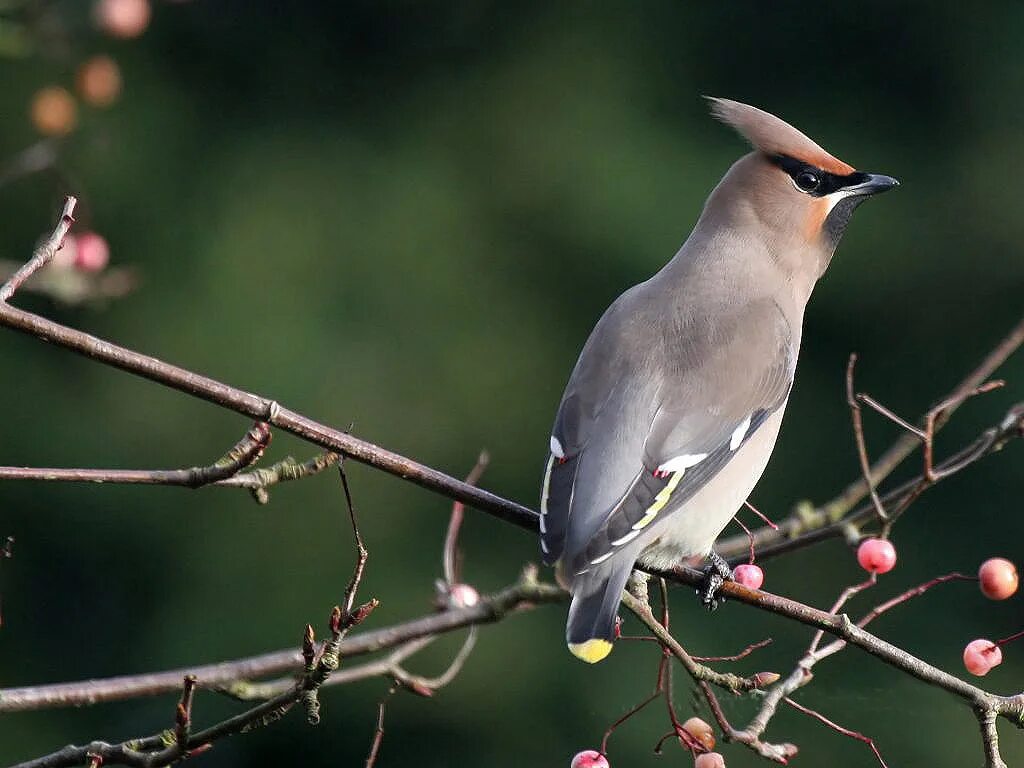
408 216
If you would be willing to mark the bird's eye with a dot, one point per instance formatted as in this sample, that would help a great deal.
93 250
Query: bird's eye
807 181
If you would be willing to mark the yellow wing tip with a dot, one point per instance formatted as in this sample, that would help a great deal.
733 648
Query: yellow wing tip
592 651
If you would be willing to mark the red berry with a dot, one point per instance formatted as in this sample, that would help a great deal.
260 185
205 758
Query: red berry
981 655
700 731
53 111
91 252
99 81
588 758
998 578
463 596
122 18
749 576
876 555
709 760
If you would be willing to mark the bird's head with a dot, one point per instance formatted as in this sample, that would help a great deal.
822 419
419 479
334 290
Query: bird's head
797 196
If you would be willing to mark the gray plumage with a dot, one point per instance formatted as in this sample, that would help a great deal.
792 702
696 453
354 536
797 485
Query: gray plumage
675 403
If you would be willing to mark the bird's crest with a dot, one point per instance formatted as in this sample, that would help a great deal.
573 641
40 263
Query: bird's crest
774 136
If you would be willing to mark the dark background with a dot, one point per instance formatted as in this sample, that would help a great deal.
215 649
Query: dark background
408 216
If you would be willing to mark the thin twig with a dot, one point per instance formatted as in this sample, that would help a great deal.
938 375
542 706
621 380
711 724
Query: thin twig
378 732
241 455
843 598
288 469
43 253
862 448
809 524
361 552
491 608
737 656
894 418
750 537
836 727
728 681
759 513
451 539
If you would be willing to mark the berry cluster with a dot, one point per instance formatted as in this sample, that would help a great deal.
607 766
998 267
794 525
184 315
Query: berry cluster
997 578
54 111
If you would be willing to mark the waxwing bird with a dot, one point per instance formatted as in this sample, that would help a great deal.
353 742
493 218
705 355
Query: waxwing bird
675 403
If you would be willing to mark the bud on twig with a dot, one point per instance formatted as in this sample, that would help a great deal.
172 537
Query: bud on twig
764 679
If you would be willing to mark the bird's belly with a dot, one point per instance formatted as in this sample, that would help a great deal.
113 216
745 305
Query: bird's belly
692 529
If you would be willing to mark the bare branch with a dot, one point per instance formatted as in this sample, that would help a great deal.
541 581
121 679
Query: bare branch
862 449
728 681
268 410
450 558
894 418
286 470
245 452
1011 707
43 253
378 732
361 553
737 656
809 524
990 739
490 609
836 727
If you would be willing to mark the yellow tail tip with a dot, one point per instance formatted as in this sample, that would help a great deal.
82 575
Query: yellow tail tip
592 651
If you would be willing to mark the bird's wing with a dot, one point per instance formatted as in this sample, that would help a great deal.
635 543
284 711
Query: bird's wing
665 427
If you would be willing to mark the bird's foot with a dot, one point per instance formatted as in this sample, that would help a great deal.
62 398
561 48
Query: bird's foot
715 575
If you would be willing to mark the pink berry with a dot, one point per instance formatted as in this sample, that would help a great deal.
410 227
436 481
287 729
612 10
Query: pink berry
91 252
998 578
99 81
122 18
463 596
749 576
53 111
709 760
588 758
876 555
981 655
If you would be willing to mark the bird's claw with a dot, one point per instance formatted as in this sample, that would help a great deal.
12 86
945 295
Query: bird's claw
715 575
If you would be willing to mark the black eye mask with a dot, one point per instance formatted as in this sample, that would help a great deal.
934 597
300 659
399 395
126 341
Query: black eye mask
814 181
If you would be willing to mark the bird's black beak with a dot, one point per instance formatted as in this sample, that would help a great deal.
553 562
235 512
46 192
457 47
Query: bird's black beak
871 184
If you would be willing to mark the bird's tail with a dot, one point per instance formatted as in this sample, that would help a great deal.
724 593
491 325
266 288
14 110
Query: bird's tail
596 594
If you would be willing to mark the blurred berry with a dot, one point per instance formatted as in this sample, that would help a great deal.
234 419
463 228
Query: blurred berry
463 596
122 18
700 731
876 555
588 758
53 111
748 575
99 81
709 760
91 251
981 655
998 578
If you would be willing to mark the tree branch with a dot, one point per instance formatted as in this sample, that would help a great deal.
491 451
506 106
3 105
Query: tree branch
809 524
43 253
490 609
244 453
